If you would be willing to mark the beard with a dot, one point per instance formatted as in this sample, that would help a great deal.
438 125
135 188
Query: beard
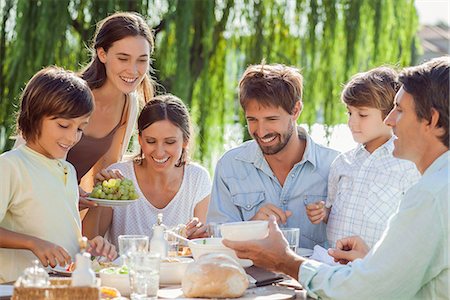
284 140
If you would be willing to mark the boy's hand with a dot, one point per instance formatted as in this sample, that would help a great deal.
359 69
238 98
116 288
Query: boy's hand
316 212
98 246
50 254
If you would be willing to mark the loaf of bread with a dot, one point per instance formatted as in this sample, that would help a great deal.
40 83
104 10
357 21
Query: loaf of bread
214 275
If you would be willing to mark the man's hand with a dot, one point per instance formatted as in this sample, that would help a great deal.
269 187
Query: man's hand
271 210
272 253
98 246
49 254
349 249
316 212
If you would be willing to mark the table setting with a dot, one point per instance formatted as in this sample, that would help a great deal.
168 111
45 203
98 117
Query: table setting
140 273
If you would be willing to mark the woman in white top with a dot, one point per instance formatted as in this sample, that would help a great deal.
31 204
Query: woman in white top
165 180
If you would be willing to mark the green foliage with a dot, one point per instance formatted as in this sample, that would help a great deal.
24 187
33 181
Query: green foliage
203 46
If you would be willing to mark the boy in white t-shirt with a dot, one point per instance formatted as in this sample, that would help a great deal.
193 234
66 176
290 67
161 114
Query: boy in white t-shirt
39 216
365 184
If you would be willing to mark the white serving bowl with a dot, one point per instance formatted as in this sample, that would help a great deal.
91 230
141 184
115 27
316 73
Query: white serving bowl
244 231
119 281
172 272
214 245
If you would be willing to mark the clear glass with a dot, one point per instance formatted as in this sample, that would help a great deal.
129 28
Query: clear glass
144 275
35 276
213 230
292 235
132 243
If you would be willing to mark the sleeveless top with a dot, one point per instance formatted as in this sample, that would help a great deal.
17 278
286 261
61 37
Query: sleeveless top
89 149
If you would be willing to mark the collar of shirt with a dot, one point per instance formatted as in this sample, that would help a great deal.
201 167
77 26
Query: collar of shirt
440 162
252 153
384 149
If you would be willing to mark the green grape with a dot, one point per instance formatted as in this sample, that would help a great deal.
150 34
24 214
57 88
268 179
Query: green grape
115 189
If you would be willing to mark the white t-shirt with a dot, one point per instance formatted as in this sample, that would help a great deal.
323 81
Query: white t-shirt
139 217
37 199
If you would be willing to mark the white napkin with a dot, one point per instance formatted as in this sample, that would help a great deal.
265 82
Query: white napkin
321 254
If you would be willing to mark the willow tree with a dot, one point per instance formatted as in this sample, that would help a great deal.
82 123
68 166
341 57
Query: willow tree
203 46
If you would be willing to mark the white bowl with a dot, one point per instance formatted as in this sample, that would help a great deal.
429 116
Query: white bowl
244 231
172 272
214 245
119 281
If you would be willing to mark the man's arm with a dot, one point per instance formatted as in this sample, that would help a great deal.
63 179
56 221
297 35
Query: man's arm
397 266
271 253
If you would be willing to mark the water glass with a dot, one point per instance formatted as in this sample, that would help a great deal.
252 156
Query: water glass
132 243
144 275
292 235
213 230
174 243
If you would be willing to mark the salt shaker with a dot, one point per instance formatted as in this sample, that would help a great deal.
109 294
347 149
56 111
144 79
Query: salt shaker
83 274
158 243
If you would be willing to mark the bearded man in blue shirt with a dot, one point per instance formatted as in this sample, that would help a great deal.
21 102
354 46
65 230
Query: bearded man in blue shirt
282 169
410 261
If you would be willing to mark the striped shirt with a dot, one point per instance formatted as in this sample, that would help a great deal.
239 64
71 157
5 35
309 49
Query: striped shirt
364 190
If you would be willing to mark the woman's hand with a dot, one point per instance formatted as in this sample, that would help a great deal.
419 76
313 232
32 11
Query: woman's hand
98 246
83 202
196 229
107 174
49 254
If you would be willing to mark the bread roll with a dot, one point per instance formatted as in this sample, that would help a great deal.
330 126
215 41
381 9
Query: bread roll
214 275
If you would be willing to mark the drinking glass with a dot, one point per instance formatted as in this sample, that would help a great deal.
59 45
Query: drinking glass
132 243
213 230
292 235
144 275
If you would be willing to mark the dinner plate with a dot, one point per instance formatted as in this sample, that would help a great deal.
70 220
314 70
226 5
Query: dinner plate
106 202
62 271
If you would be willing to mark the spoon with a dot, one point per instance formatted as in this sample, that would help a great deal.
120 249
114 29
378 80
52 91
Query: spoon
178 236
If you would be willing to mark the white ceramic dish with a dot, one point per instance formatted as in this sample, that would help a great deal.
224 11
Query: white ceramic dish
105 202
214 245
244 231
172 272
119 281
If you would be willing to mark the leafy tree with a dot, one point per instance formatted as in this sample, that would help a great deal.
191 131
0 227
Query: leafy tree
203 46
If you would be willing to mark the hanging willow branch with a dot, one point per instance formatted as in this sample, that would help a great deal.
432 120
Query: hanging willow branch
202 48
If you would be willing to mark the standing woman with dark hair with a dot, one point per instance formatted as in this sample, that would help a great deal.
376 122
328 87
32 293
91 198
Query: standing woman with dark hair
119 80
165 180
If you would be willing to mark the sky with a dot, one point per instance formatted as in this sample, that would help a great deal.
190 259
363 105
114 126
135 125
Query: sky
432 11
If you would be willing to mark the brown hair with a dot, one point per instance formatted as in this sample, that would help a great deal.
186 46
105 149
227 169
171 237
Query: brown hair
52 92
271 85
375 88
428 84
109 30
166 107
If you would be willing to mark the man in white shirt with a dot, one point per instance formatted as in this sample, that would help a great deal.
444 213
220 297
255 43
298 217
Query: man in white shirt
410 261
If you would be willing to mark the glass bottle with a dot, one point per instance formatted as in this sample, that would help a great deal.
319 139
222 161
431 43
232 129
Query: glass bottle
158 243
83 275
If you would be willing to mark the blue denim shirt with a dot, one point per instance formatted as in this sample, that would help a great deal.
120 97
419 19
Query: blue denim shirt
244 181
